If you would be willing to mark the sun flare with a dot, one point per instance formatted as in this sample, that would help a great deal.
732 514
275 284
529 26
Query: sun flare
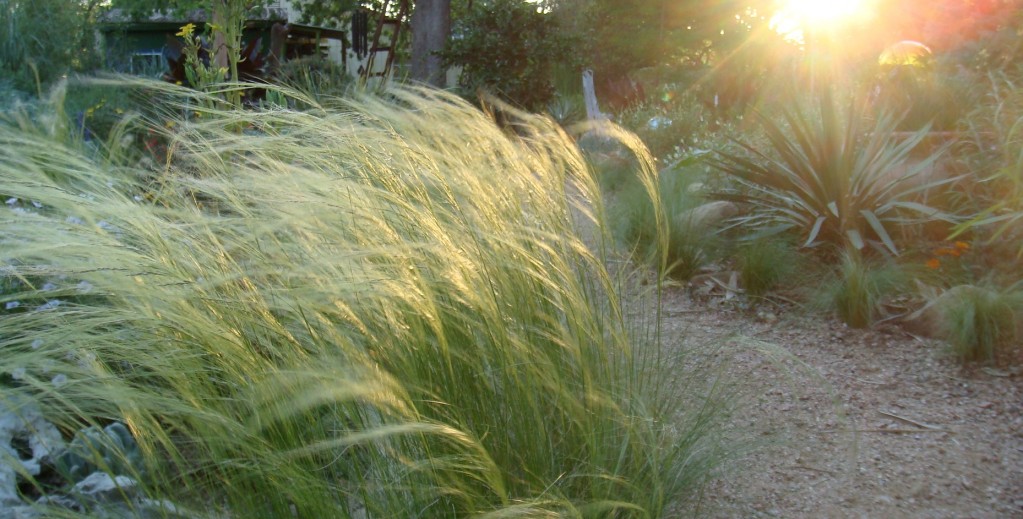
794 17
816 12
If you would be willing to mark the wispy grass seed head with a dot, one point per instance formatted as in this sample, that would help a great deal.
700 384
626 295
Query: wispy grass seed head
381 304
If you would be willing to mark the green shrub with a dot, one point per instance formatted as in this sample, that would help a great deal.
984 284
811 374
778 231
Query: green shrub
993 151
686 245
567 109
508 49
666 124
382 305
43 40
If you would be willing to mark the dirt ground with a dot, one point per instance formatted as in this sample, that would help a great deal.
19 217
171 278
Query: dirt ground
858 423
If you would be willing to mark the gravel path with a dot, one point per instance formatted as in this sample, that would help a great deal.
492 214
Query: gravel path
859 423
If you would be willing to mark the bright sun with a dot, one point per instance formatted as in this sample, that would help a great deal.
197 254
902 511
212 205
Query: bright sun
817 12
796 15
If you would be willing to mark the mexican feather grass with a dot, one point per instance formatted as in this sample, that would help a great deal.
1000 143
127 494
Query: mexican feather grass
378 308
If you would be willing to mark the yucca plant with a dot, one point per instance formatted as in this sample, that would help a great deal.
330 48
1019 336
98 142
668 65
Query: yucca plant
566 109
833 177
376 309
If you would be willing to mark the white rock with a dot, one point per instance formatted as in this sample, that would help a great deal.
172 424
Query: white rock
707 215
102 487
24 421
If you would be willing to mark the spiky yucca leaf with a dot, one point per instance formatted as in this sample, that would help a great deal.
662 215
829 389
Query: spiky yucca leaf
832 177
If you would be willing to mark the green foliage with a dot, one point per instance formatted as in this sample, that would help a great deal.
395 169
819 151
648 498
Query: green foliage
507 48
668 123
111 449
43 40
838 179
567 109
685 245
314 76
981 324
381 305
994 152
624 35
95 110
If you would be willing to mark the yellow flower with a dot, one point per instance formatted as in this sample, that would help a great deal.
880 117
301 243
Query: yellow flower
186 30
212 27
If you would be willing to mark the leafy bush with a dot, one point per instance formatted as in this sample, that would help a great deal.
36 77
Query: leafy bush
508 49
993 151
378 309
840 179
42 40
665 125
637 216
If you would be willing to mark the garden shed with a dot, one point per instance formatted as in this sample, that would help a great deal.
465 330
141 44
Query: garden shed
137 46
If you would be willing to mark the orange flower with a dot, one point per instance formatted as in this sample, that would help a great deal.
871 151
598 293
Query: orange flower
962 246
933 263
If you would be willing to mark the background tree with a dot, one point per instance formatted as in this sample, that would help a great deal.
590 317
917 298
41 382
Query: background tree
42 40
431 28
508 48
328 13
711 44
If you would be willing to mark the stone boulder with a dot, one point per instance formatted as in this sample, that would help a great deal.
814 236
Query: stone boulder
707 215
20 424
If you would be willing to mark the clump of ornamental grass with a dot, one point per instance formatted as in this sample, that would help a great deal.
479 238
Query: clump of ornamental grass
980 324
860 288
663 227
765 263
374 309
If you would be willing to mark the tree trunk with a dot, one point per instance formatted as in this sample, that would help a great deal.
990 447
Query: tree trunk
220 44
431 24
